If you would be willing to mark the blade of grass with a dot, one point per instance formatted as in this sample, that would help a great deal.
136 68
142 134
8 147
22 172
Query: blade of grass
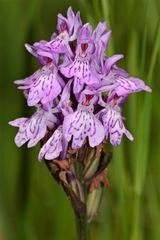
153 207
143 142
89 14
143 56
97 10
122 186
106 10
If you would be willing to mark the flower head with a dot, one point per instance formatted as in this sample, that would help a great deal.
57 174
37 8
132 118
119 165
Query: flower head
79 91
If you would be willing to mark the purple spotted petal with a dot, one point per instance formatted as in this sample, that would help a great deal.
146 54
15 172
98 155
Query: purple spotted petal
68 29
71 19
60 44
83 72
25 83
114 127
99 31
33 129
110 62
77 85
36 131
77 27
53 147
44 86
105 39
64 103
22 136
65 97
85 34
82 124
102 45
18 122
130 85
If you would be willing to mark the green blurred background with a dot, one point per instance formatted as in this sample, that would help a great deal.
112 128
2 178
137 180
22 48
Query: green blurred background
32 206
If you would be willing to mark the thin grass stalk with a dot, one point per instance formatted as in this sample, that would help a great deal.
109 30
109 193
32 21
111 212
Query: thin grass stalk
143 143
132 101
144 48
121 185
153 209
106 15
89 14
96 8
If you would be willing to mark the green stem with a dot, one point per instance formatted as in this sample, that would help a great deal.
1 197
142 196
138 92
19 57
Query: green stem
82 227
81 221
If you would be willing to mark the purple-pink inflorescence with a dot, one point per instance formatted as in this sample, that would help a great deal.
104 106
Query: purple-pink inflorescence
78 91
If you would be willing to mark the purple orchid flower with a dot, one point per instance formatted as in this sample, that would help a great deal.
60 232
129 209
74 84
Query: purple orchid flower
53 147
35 128
113 125
117 81
83 67
43 86
82 124
68 29
42 52
78 87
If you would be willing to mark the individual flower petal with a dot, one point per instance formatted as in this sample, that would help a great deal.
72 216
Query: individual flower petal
82 124
99 31
33 129
60 44
85 34
109 63
113 125
130 85
77 27
77 85
101 46
53 147
65 96
18 122
104 40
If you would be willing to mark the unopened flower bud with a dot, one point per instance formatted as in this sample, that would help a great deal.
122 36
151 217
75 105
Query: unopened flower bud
93 202
90 158
92 168
75 186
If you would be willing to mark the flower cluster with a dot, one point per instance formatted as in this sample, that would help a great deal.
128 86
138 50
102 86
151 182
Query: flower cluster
78 92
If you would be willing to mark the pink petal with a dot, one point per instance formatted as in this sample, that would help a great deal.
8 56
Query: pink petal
52 148
82 124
